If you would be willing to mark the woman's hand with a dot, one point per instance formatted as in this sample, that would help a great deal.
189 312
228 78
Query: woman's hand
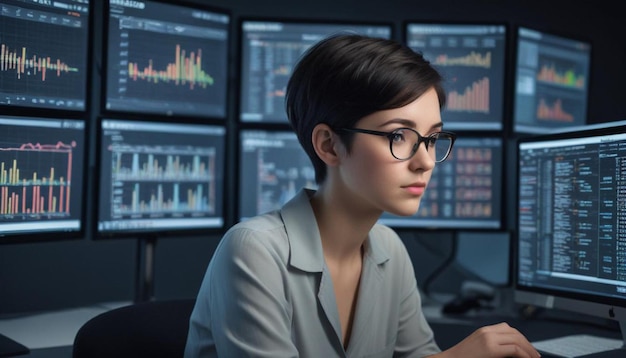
494 341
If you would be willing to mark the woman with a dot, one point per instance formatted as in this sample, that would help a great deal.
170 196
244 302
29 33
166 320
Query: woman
320 277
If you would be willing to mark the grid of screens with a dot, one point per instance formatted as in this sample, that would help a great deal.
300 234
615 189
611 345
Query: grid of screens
166 59
43 54
272 168
551 82
471 59
269 51
42 174
571 222
464 192
159 177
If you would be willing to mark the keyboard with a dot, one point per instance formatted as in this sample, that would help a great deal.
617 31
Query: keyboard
577 345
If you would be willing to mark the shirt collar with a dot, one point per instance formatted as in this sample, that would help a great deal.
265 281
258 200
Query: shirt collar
304 237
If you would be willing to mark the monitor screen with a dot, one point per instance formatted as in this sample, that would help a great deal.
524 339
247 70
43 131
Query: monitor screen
551 82
158 177
42 178
464 192
166 59
571 226
270 50
471 58
43 54
273 167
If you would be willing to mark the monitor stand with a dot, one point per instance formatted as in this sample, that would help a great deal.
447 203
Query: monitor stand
145 269
10 348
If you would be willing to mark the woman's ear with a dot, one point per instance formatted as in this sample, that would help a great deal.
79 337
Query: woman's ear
325 144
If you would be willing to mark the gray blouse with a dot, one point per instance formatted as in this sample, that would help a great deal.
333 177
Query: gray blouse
268 293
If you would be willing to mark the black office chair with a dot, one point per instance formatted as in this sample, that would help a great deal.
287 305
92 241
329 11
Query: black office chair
149 329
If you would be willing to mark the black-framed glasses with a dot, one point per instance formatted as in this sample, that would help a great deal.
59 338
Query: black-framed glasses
404 142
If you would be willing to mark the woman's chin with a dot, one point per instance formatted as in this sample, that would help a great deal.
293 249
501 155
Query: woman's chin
405 211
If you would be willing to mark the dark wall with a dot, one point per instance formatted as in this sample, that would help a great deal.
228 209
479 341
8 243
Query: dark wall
56 275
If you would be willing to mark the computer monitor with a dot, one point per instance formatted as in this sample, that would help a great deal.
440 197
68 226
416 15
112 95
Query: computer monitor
464 192
272 168
159 178
570 246
166 59
471 58
269 51
44 54
551 81
42 179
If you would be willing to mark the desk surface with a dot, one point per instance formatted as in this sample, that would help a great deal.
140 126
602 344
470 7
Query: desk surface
51 335
46 333
449 330
53 352
10 347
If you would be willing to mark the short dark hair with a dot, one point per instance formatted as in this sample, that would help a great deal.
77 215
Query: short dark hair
346 77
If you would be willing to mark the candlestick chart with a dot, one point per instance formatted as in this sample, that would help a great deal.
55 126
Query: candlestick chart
42 63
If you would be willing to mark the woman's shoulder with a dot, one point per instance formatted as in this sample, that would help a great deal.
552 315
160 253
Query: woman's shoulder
263 222
265 230
255 248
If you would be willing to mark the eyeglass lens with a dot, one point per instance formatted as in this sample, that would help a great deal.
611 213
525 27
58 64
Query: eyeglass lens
406 142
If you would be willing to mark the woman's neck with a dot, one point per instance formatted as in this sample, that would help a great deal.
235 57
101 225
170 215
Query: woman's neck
343 228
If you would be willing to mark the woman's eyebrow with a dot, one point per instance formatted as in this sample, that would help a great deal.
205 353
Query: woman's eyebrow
409 123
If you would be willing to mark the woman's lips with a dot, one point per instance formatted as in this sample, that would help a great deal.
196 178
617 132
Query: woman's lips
416 189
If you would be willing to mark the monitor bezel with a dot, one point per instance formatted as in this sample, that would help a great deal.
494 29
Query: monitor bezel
548 31
586 303
58 235
157 232
160 114
504 100
290 21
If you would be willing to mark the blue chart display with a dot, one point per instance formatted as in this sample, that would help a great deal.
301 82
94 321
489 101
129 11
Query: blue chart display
472 60
270 50
273 167
465 191
157 176
551 82
167 59
41 176
43 54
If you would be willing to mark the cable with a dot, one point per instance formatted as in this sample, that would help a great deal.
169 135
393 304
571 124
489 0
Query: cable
439 269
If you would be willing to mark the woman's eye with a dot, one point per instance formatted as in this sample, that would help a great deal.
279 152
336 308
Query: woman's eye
398 137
